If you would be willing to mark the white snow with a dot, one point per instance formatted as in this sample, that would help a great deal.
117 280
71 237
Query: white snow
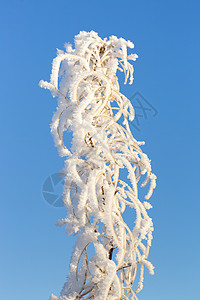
86 85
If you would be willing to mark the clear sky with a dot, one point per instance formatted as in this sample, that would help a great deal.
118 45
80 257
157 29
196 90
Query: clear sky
34 254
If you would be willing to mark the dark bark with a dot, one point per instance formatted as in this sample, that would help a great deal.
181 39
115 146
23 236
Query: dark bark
110 253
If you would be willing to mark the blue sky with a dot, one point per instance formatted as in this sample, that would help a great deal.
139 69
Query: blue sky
34 254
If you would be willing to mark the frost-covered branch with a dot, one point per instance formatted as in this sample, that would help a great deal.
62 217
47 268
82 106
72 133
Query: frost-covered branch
108 254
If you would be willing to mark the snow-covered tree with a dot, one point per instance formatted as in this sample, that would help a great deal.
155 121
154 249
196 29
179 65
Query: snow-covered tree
109 257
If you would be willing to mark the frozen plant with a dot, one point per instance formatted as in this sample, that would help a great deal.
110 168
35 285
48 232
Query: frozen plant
109 257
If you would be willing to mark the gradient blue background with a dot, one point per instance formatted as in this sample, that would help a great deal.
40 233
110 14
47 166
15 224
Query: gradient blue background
34 254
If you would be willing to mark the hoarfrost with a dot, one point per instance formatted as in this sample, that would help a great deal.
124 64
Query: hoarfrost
90 106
